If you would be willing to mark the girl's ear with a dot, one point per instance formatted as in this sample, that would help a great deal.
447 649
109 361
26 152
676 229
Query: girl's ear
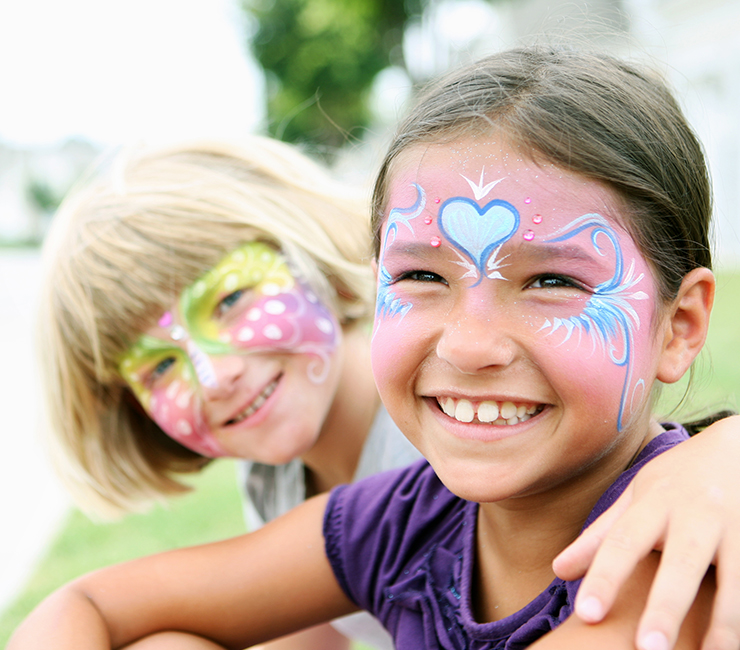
686 325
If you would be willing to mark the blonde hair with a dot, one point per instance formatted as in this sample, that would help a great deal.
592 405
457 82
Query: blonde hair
123 246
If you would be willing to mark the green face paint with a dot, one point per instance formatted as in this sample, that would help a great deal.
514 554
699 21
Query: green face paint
250 302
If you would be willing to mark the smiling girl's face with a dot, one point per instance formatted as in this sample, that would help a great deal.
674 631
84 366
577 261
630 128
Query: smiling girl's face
516 340
243 364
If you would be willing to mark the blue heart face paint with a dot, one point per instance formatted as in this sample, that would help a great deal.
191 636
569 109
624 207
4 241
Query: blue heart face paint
514 314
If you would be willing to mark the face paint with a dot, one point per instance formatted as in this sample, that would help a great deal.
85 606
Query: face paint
535 296
249 303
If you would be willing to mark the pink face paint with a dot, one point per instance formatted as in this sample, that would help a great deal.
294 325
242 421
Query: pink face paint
562 321
249 303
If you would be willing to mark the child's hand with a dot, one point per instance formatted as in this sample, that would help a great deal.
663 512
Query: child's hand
685 503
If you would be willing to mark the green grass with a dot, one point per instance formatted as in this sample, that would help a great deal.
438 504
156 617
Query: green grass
212 511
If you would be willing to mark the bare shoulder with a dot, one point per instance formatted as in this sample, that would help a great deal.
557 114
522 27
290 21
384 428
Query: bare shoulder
619 629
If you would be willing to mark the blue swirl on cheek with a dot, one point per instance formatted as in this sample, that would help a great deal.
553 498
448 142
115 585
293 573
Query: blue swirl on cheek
608 315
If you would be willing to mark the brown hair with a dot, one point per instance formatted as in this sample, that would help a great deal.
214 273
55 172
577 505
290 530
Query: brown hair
590 114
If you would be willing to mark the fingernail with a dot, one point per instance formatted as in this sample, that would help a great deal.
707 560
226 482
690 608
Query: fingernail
654 641
590 610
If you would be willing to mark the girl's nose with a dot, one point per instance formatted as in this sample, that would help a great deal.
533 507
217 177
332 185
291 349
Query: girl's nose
226 372
473 342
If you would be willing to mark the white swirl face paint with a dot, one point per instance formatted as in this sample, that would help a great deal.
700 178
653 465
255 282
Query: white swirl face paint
248 304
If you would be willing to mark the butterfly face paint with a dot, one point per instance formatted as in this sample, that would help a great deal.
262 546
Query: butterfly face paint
509 294
249 303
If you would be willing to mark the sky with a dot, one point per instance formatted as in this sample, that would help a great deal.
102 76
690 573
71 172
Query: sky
123 71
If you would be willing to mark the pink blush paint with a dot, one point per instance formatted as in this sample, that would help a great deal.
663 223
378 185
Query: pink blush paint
177 411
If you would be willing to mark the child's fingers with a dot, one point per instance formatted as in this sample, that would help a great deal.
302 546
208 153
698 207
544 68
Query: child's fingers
724 627
690 547
573 562
635 534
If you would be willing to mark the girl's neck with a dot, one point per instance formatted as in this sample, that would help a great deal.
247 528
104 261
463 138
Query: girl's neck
517 539
334 457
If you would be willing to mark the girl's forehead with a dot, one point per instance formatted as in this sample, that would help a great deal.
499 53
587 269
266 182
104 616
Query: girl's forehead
484 169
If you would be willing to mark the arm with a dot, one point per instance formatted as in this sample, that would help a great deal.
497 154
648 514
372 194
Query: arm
236 593
618 629
687 504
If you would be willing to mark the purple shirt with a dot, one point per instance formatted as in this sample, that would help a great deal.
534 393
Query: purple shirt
402 547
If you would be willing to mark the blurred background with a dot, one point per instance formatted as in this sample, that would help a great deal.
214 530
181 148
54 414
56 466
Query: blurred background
81 77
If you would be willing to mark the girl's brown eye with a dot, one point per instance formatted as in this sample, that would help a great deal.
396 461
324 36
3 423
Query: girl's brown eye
228 302
554 281
161 368
422 276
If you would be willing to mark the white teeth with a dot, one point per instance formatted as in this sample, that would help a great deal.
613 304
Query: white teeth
257 402
463 410
508 410
488 412
448 406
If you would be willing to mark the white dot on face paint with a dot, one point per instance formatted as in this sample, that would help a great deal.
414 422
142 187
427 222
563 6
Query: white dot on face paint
245 334
231 282
254 314
172 389
183 428
324 324
198 289
238 256
311 297
270 289
274 307
272 332
183 399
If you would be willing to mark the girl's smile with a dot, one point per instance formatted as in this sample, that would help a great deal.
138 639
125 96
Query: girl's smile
241 351
514 291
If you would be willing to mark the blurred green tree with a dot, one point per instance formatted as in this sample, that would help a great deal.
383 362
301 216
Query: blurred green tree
321 57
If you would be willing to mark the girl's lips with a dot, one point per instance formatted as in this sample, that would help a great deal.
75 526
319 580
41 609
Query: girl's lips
256 403
490 412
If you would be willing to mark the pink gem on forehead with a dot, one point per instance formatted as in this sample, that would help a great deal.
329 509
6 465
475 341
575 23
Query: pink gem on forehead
436 242
165 320
528 235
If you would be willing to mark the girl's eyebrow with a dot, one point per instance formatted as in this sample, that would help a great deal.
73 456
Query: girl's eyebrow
414 249
567 252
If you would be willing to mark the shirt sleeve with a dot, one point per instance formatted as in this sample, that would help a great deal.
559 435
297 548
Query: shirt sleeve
376 529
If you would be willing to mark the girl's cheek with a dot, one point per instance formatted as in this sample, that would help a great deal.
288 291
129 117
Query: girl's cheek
176 409
395 339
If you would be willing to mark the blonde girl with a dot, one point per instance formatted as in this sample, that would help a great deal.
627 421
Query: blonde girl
154 358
